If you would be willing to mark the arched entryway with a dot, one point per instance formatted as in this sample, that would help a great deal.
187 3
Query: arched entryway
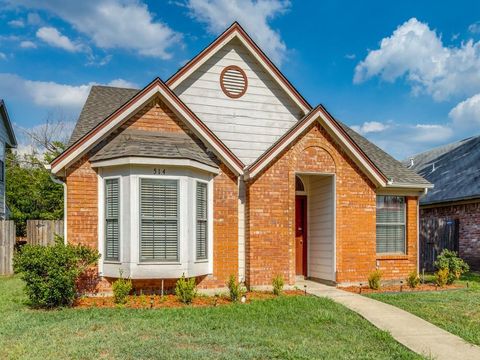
315 226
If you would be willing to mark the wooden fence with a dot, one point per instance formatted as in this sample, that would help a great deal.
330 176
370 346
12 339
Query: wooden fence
7 244
437 234
42 232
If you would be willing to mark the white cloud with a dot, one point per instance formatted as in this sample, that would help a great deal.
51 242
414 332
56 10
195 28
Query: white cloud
34 19
16 23
467 113
54 38
350 56
3 56
402 139
370 127
417 52
474 28
114 24
253 15
50 94
123 84
27 44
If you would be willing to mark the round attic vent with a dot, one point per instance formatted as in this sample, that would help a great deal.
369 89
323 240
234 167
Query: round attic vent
233 81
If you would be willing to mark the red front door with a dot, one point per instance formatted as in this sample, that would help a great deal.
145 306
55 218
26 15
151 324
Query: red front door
301 235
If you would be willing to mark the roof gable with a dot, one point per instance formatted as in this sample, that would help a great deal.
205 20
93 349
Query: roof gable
380 167
237 32
125 111
247 124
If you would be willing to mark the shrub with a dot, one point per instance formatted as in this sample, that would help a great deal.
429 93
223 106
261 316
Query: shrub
121 289
441 277
413 279
50 273
186 290
235 289
277 284
374 279
448 260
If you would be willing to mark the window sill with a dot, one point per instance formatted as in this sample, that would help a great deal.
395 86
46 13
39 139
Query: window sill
392 257
158 263
113 262
201 261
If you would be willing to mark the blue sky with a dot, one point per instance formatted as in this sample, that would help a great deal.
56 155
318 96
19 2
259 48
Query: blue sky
404 74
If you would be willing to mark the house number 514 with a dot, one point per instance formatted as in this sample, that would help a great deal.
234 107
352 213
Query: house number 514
157 171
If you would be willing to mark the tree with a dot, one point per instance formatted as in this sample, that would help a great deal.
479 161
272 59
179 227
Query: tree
30 191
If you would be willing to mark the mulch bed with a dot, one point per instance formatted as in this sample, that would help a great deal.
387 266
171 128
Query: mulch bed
401 288
171 301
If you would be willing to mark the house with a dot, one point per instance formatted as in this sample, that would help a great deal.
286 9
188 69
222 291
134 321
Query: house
226 169
7 140
454 169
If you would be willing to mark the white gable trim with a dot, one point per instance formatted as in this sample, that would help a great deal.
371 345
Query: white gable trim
235 32
141 160
115 120
317 115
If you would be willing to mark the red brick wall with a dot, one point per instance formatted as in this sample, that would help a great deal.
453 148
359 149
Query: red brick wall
469 221
82 197
271 208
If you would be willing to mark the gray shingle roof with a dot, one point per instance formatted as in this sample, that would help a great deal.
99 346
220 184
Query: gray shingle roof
392 169
155 145
101 102
454 169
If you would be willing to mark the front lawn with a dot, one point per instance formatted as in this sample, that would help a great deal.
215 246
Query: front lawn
457 311
300 327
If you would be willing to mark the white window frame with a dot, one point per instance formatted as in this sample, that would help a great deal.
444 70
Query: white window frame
102 224
209 243
180 220
393 224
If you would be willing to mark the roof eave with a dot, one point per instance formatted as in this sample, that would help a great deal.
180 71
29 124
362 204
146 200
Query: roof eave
8 125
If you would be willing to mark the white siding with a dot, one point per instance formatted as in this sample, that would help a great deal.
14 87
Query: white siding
247 125
321 222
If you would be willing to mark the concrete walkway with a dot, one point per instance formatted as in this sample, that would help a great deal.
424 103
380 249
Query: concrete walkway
415 333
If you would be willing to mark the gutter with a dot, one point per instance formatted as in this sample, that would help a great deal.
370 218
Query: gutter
56 180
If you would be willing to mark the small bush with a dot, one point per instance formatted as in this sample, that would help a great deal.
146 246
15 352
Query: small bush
449 260
374 279
50 273
413 279
441 277
121 289
186 290
235 289
277 284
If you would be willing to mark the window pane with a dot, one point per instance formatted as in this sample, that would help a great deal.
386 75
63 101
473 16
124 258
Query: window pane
112 219
201 235
159 220
390 224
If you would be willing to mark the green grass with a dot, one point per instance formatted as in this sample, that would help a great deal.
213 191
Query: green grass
283 328
457 311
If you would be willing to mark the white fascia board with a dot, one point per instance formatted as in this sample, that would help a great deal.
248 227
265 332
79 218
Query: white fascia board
327 124
88 144
235 34
137 160
409 185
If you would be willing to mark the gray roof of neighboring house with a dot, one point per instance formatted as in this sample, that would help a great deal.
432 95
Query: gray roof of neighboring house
104 100
12 140
454 169
144 143
101 102
392 169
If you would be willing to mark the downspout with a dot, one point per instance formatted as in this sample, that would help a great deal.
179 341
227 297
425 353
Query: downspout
56 180
241 229
425 191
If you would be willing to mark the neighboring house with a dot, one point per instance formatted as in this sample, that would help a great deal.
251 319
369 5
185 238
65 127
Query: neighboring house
454 169
7 140
226 169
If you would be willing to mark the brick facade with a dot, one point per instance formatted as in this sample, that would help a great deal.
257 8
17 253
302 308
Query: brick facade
270 211
82 207
468 215
270 238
